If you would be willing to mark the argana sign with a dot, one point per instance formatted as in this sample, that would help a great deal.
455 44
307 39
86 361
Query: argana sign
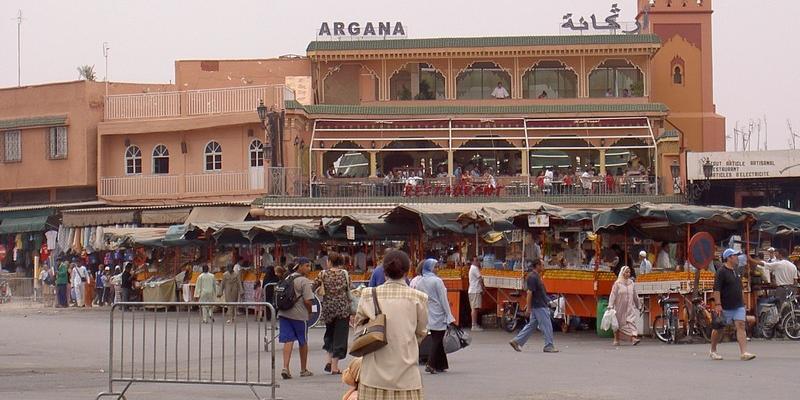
745 164
367 30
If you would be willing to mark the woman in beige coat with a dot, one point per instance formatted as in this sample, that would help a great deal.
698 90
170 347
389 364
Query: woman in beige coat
392 372
625 302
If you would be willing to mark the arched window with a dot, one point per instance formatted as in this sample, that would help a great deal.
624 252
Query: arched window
677 76
256 153
160 160
213 156
133 160
550 80
483 80
417 81
616 78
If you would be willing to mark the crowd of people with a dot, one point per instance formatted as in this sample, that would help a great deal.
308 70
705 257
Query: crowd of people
73 283
634 177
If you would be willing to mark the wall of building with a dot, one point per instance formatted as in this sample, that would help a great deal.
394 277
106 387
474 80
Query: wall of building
686 34
234 140
82 103
198 74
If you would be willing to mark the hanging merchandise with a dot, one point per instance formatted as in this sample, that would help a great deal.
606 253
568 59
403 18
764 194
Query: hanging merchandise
99 239
52 237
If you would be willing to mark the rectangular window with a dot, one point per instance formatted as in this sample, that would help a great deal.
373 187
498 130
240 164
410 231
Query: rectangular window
160 165
57 143
213 162
12 146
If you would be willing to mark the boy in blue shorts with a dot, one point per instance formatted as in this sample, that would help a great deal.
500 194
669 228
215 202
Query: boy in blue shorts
292 322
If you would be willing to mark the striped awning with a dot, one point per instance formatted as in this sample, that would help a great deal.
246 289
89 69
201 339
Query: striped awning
301 210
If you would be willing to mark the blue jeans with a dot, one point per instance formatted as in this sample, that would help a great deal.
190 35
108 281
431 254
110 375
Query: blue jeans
539 317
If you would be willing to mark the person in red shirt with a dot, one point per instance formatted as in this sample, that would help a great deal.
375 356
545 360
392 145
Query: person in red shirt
568 182
610 181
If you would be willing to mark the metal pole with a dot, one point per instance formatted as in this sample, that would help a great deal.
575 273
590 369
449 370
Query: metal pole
19 47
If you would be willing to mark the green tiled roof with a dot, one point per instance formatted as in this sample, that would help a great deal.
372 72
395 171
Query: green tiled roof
481 109
48 120
464 42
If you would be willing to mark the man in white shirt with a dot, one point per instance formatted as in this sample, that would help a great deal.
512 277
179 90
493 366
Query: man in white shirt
784 273
771 255
586 180
548 180
500 92
645 267
663 261
475 291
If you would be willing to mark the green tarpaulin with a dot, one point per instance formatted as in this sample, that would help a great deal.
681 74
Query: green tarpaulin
774 220
367 226
23 224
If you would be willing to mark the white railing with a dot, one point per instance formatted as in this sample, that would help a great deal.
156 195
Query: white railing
139 185
143 105
232 100
195 102
219 182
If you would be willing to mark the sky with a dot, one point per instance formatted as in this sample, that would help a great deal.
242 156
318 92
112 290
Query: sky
755 48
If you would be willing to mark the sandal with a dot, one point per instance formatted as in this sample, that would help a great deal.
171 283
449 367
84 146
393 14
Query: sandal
336 372
306 373
285 374
616 343
327 367
635 341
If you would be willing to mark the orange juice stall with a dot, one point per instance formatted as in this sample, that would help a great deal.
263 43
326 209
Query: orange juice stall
580 289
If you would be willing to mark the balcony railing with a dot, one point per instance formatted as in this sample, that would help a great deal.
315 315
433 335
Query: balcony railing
195 102
477 188
222 183
140 185
143 105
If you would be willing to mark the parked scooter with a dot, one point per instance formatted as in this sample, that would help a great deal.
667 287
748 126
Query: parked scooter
779 314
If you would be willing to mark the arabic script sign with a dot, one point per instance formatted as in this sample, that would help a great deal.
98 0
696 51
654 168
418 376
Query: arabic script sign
611 23
745 164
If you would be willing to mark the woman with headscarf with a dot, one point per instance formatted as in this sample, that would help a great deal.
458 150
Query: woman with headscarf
626 303
439 315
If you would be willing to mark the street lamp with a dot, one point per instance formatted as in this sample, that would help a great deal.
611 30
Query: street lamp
262 113
675 170
695 190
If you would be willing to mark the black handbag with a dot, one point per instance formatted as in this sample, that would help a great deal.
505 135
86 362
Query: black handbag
717 320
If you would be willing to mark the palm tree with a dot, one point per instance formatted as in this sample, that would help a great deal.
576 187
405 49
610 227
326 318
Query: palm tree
86 72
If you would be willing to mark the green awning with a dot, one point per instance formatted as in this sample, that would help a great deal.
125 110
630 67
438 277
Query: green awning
23 224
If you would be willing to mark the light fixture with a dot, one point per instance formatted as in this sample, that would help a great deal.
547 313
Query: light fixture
302 144
184 148
373 144
262 111
296 141
708 169
127 142
675 169
321 144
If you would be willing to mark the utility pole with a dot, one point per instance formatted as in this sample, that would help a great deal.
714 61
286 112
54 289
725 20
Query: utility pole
19 46
105 55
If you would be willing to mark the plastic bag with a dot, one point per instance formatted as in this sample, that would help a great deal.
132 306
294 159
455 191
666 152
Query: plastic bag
609 320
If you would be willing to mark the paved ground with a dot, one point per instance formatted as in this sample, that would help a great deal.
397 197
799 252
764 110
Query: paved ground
48 354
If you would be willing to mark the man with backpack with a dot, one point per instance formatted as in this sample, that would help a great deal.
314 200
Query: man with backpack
293 297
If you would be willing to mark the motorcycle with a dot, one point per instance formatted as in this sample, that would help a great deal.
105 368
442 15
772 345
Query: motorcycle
514 316
779 314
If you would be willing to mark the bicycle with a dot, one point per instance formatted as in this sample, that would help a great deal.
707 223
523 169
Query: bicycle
698 317
665 326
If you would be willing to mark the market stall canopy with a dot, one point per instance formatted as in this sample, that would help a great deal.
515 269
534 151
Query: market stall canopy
129 237
261 231
21 221
165 216
229 214
774 220
462 218
501 214
101 217
367 226
668 222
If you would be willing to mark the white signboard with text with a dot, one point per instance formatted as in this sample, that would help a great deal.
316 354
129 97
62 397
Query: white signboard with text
745 164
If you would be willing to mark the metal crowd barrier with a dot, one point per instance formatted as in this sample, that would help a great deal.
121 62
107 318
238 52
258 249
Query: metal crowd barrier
168 343
18 289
